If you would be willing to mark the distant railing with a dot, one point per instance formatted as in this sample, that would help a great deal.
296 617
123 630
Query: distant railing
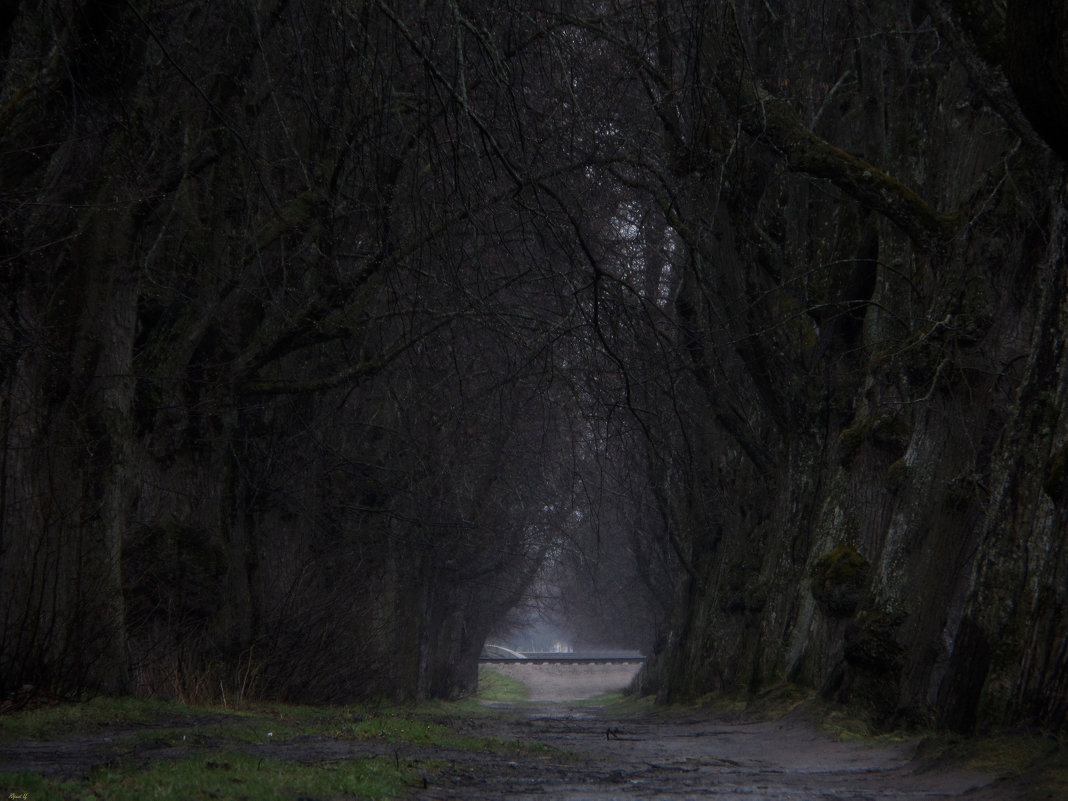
569 657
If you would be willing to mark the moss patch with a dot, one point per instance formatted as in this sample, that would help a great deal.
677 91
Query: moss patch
891 433
838 580
850 440
897 474
870 643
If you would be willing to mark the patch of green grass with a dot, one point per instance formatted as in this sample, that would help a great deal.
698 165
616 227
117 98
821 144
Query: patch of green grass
495 686
225 775
170 723
397 727
74 718
163 720
215 733
603 700
221 770
251 722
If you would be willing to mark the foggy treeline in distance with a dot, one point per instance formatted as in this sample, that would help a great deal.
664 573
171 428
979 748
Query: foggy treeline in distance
333 332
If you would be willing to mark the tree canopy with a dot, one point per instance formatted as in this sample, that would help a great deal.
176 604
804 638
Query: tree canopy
330 331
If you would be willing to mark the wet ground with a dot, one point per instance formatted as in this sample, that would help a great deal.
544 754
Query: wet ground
581 752
592 757
566 749
593 753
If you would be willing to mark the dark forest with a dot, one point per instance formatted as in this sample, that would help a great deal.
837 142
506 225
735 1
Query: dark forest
336 333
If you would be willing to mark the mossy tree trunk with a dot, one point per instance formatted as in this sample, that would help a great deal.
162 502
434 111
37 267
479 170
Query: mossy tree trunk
871 297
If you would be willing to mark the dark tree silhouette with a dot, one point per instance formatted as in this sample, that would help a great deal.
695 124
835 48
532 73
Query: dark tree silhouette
325 325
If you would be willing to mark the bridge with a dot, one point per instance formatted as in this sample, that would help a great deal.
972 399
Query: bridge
567 676
494 654
564 659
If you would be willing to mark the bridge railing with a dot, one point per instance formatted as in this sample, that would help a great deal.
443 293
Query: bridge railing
590 658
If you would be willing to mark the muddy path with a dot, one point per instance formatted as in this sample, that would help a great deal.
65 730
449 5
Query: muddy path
557 747
567 751
592 755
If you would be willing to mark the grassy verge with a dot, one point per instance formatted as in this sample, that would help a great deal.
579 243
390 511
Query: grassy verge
213 742
62 720
225 774
495 686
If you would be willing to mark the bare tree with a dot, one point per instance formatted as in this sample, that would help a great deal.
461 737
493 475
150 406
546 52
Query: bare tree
839 181
314 342
222 246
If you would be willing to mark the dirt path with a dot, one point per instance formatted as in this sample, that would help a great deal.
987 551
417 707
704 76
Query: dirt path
567 750
578 752
593 757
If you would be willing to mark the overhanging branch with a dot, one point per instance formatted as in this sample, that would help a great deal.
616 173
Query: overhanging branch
763 115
